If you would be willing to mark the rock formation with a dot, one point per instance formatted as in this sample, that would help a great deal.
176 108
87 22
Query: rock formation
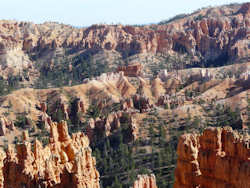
81 107
112 81
142 103
114 90
6 126
65 162
207 35
201 35
127 104
145 181
132 70
105 127
164 100
219 157
43 107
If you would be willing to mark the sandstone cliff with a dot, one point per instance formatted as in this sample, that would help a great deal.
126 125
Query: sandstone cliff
211 34
113 92
145 181
219 158
132 70
206 35
65 162
6 126
105 127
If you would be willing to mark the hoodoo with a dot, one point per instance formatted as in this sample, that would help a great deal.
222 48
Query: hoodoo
219 157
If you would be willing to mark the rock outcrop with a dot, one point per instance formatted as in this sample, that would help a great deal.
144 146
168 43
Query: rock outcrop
142 103
114 82
132 70
127 104
245 9
219 157
221 33
6 126
145 181
65 162
105 127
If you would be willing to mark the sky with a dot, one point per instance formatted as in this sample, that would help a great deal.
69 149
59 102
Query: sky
88 12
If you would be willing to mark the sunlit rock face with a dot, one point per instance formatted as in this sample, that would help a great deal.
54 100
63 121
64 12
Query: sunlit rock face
219 157
65 162
145 181
219 33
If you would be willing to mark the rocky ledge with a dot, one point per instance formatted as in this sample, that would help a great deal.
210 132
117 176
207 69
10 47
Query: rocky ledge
219 157
65 162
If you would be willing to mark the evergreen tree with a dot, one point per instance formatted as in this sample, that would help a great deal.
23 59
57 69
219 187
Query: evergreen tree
116 183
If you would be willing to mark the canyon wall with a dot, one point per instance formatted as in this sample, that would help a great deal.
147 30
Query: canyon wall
65 162
208 33
219 158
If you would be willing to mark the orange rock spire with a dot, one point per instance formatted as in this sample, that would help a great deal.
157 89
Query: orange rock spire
65 162
145 181
219 157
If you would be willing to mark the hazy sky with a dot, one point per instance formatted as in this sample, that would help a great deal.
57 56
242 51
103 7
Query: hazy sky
87 12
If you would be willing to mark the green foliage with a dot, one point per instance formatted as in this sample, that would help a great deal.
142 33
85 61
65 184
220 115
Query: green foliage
43 137
56 112
93 111
197 121
82 66
118 159
116 183
222 115
58 115
40 124
16 140
166 106
7 86
20 121
199 17
177 17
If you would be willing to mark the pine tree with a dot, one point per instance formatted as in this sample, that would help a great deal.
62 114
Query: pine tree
116 183
132 176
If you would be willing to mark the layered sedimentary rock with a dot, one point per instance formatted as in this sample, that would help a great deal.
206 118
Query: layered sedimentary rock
209 34
145 181
105 127
6 126
127 104
113 82
132 70
142 103
65 162
219 157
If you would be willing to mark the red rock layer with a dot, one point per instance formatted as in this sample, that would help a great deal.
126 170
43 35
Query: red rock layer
107 126
132 70
202 34
6 126
65 162
145 181
219 158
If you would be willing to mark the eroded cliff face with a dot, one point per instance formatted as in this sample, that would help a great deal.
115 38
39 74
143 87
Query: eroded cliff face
65 162
132 70
209 34
219 158
145 181
6 126
99 128
206 35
